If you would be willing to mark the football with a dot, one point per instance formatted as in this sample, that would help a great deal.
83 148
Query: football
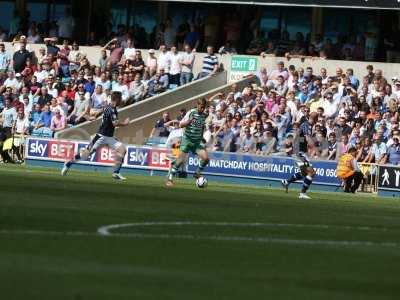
201 182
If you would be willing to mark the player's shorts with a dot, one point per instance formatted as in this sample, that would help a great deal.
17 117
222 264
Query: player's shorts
101 140
304 168
188 146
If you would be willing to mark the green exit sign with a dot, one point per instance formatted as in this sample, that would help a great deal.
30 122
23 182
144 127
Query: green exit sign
243 64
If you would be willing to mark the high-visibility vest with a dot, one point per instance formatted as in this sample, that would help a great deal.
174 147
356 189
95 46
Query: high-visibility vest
345 168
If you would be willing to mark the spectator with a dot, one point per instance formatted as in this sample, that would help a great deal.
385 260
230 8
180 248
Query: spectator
138 63
210 63
116 52
5 59
129 50
160 129
175 70
98 101
151 62
20 130
155 85
81 111
247 142
119 86
137 88
20 57
393 152
164 59
187 61
164 79
58 122
378 152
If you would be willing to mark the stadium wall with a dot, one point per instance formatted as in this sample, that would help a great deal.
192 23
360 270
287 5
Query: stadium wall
389 69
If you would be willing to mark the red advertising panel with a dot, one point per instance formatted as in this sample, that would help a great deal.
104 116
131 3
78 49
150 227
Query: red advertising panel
105 155
61 149
158 158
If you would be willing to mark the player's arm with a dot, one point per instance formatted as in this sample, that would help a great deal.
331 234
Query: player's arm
186 120
118 123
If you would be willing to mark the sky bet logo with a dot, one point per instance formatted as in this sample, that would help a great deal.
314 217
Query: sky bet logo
138 156
38 148
51 149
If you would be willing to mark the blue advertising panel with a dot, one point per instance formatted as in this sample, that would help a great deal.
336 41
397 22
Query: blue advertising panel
252 166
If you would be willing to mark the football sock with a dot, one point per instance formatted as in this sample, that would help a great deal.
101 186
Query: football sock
306 184
175 165
76 157
117 167
202 165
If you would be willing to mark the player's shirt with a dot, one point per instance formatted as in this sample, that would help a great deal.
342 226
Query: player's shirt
303 162
110 115
194 131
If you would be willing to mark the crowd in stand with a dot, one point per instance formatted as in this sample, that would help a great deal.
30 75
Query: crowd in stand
58 88
291 109
285 111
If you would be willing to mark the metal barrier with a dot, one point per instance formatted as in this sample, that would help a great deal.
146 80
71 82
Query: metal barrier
370 182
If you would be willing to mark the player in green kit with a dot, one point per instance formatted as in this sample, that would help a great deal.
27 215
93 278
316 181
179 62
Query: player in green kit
192 140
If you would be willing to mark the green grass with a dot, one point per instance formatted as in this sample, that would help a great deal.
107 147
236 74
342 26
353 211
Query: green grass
42 256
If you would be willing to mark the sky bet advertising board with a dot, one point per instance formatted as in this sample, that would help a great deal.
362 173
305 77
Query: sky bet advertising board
221 163
62 150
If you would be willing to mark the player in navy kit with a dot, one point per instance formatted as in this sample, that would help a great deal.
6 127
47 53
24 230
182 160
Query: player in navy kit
105 136
306 173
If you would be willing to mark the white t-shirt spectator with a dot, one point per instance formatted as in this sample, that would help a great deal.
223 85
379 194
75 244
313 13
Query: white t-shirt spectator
330 108
175 64
9 115
52 91
41 75
129 53
105 84
12 83
22 125
164 61
98 100
116 87
186 58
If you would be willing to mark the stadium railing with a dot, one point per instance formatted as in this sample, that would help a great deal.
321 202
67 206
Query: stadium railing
145 107
140 128
370 182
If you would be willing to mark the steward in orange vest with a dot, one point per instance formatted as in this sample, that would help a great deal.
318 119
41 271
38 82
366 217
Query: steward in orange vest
348 171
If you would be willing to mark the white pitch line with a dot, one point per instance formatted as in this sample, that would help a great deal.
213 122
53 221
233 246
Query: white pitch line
206 238
105 230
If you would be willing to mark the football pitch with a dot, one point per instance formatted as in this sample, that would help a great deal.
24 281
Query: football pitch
86 236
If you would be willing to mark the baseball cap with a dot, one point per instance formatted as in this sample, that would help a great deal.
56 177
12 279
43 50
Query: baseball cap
18 75
151 51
